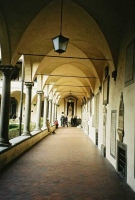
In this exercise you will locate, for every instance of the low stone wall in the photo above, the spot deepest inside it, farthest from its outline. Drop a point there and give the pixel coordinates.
(19, 145)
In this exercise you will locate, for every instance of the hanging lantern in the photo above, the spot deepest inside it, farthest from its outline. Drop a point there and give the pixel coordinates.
(60, 43)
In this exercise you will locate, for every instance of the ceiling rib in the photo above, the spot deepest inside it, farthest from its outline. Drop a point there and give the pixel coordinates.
(70, 93)
(69, 76)
(69, 85)
(52, 56)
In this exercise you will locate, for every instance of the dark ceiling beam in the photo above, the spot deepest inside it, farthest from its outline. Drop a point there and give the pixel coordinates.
(68, 76)
(71, 92)
(62, 96)
(70, 85)
(80, 58)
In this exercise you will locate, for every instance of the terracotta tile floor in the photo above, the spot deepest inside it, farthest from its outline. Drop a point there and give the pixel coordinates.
(66, 166)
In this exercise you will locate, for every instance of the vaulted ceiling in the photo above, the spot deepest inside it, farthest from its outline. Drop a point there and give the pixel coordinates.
(94, 30)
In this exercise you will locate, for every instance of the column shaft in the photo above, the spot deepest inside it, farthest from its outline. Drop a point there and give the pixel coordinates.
(52, 117)
(5, 105)
(50, 110)
(38, 119)
(45, 112)
(26, 131)
(56, 107)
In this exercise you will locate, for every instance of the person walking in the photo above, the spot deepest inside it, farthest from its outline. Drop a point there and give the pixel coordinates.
(62, 119)
(66, 121)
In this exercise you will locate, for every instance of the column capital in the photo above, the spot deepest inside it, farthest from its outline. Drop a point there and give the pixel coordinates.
(39, 92)
(29, 84)
(6, 67)
(7, 70)
(47, 97)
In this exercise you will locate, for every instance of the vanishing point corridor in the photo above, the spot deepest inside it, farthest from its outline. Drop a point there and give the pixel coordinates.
(63, 166)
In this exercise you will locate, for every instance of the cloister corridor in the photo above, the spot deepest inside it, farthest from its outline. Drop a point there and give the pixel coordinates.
(63, 166)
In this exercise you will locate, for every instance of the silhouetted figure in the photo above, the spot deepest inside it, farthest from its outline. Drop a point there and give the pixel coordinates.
(62, 119)
(72, 121)
(66, 121)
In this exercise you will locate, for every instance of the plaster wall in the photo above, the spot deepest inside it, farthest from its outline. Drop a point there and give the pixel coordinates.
(100, 130)
(129, 104)
(33, 113)
(129, 131)
(59, 112)
(92, 130)
(114, 101)
(115, 89)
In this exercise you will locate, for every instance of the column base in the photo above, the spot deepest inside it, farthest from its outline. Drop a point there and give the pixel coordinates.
(37, 129)
(5, 144)
(43, 128)
(26, 134)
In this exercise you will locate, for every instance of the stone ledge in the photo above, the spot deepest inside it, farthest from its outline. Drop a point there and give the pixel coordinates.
(19, 146)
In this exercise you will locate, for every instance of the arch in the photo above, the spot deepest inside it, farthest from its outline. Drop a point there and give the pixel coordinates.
(4, 40)
(86, 40)
(13, 108)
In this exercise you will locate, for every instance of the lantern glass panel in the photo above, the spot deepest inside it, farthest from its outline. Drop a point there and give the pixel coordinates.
(60, 43)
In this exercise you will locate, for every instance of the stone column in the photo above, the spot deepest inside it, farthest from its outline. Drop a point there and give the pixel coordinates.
(55, 108)
(39, 104)
(45, 112)
(26, 131)
(53, 111)
(65, 107)
(50, 110)
(5, 105)
(76, 108)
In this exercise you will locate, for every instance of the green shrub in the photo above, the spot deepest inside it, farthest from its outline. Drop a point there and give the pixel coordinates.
(12, 126)
(13, 131)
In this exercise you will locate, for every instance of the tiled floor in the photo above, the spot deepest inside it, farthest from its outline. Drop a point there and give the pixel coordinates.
(66, 166)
